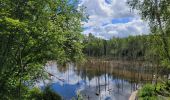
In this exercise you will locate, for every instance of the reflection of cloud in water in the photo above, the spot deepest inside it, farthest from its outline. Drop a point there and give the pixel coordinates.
(69, 76)
(108, 91)
(110, 88)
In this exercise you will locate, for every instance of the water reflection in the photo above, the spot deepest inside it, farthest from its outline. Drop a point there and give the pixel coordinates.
(97, 80)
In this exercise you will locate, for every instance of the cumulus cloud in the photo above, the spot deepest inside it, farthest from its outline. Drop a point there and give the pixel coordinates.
(108, 18)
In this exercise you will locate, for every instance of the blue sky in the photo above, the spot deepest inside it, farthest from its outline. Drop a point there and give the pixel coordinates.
(108, 18)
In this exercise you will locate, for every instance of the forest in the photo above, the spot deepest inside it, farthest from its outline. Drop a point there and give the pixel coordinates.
(33, 32)
(130, 48)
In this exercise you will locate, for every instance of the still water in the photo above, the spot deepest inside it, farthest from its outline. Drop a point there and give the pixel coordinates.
(97, 80)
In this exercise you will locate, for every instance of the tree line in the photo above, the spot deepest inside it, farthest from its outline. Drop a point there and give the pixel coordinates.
(141, 47)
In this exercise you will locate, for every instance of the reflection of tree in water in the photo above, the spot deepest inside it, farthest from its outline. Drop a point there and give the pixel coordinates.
(112, 76)
(62, 68)
(122, 70)
(89, 70)
(136, 73)
(118, 71)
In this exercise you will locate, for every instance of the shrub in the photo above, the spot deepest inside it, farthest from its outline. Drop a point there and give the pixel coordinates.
(147, 92)
(46, 94)
(35, 94)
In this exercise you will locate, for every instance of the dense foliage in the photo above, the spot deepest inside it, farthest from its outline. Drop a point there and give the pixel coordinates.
(31, 33)
(130, 48)
(147, 93)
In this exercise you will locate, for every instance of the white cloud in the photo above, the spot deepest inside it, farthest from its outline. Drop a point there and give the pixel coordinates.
(102, 13)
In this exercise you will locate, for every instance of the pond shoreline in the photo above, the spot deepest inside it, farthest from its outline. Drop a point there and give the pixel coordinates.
(133, 95)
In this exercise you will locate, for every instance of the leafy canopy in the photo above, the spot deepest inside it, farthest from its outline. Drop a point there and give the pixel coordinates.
(31, 33)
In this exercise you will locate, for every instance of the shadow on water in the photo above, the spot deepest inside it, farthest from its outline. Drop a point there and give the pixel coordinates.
(98, 79)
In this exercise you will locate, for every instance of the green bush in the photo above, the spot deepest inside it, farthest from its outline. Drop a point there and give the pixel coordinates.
(147, 92)
(46, 94)
(35, 94)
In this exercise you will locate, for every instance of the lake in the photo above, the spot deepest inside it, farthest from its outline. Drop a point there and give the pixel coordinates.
(98, 79)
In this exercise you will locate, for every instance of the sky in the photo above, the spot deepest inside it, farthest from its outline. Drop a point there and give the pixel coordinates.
(108, 18)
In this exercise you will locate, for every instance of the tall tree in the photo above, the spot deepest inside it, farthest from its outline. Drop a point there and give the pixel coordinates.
(31, 33)
(157, 12)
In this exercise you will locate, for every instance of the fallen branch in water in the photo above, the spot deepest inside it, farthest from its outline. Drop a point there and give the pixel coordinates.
(55, 76)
